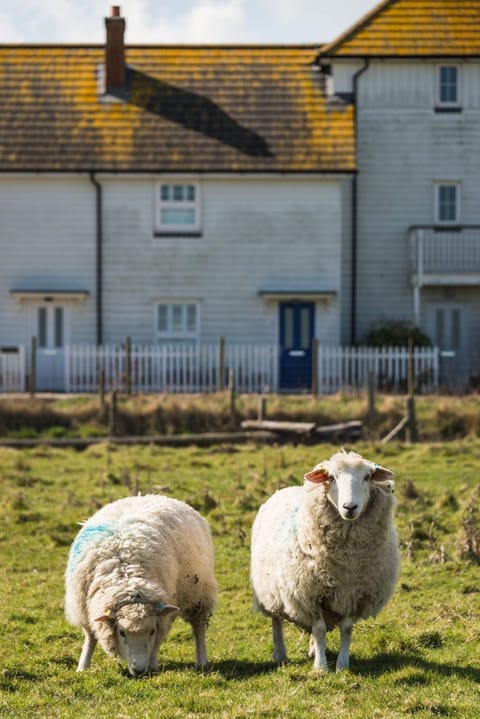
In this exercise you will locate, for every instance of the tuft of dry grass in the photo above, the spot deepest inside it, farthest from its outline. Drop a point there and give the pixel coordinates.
(439, 417)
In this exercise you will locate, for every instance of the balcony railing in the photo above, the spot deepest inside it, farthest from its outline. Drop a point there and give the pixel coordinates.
(440, 253)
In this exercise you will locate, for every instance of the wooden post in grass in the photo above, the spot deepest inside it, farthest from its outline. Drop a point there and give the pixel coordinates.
(262, 408)
(371, 398)
(112, 414)
(128, 365)
(231, 391)
(412, 421)
(33, 367)
(221, 364)
(101, 388)
(315, 367)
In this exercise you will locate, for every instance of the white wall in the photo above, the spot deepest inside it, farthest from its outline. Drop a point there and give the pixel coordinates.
(258, 234)
(47, 242)
(404, 147)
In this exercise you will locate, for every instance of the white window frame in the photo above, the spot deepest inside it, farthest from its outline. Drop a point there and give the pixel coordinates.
(177, 335)
(438, 219)
(447, 103)
(195, 205)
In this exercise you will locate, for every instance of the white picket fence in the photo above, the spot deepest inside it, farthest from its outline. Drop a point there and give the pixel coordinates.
(172, 368)
(255, 368)
(188, 368)
(343, 369)
(12, 370)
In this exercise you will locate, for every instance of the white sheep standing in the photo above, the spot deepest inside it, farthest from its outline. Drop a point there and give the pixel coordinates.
(133, 566)
(326, 553)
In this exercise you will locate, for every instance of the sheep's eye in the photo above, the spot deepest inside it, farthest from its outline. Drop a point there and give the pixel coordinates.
(331, 479)
(152, 632)
(122, 633)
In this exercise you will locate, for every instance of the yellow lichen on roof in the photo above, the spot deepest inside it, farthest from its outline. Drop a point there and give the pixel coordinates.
(413, 28)
(202, 109)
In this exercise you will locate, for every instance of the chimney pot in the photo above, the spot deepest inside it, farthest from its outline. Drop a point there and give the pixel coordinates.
(115, 11)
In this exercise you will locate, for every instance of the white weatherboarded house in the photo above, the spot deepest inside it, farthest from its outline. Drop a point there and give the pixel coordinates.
(412, 68)
(172, 194)
(268, 195)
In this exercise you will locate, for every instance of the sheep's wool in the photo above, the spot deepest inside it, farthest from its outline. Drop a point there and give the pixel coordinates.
(308, 563)
(148, 549)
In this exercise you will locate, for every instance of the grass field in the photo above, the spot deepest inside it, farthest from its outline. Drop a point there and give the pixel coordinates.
(420, 657)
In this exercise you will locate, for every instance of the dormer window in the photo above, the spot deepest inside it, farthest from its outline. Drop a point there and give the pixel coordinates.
(448, 87)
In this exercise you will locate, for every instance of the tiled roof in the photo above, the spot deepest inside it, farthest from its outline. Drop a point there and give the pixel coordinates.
(188, 109)
(435, 28)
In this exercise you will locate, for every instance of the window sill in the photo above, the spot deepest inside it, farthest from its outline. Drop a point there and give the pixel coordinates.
(179, 233)
(454, 227)
(445, 109)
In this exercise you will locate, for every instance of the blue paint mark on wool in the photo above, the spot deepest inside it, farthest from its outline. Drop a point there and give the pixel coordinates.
(288, 529)
(90, 534)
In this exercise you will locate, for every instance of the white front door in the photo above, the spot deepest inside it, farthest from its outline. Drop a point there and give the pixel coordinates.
(50, 329)
(447, 328)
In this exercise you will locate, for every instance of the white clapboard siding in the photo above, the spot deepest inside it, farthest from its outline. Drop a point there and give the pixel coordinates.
(12, 370)
(348, 368)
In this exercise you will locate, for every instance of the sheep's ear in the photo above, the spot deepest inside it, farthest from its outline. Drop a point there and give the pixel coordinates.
(380, 474)
(107, 617)
(161, 608)
(317, 475)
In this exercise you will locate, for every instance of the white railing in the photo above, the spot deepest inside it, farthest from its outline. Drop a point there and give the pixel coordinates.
(12, 369)
(343, 369)
(172, 368)
(434, 251)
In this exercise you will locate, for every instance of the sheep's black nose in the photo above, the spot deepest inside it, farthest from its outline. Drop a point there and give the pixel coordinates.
(350, 507)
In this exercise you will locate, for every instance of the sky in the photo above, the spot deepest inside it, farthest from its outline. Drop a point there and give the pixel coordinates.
(180, 21)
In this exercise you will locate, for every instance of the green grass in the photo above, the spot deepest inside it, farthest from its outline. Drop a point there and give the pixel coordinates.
(419, 658)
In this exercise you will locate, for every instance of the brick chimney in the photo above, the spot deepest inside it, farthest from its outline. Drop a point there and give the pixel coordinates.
(115, 71)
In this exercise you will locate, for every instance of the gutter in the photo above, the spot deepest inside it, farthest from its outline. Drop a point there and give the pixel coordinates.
(353, 293)
(98, 258)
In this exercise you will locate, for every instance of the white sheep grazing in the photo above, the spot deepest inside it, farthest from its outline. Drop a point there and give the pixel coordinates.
(327, 553)
(133, 565)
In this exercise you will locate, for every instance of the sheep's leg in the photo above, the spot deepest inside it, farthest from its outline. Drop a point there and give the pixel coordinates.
(87, 650)
(343, 659)
(199, 634)
(279, 648)
(319, 635)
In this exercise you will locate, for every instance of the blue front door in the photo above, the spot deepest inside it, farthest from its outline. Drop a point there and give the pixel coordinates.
(296, 337)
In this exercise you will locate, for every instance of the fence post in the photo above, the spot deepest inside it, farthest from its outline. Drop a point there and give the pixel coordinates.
(412, 421)
(112, 415)
(128, 365)
(315, 367)
(33, 367)
(221, 364)
(101, 387)
(231, 389)
(371, 398)
(262, 408)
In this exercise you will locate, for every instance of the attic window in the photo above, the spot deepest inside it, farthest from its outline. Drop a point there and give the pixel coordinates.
(177, 207)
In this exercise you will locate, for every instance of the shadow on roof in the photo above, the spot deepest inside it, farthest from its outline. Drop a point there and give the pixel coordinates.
(195, 112)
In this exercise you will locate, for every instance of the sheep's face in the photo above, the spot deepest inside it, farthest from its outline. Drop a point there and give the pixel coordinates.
(350, 478)
(137, 632)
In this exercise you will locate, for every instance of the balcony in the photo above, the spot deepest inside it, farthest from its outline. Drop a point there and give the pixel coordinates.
(444, 256)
